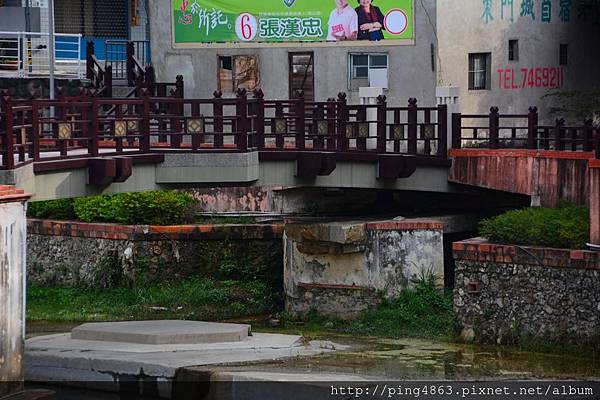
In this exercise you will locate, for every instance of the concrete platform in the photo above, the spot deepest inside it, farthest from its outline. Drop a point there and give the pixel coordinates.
(111, 366)
(161, 332)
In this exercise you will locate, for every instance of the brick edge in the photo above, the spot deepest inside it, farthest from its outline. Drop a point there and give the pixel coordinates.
(479, 249)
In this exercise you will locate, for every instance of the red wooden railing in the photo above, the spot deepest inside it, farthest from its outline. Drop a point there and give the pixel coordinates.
(88, 126)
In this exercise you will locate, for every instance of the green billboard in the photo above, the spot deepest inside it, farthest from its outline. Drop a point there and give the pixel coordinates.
(285, 21)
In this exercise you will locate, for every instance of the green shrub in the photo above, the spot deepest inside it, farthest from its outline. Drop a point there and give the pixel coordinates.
(153, 208)
(52, 209)
(563, 227)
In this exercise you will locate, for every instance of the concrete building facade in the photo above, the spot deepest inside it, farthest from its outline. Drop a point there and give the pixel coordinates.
(410, 67)
(510, 53)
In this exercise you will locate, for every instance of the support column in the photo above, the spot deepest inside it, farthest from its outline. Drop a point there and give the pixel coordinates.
(13, 235)
(594, 167)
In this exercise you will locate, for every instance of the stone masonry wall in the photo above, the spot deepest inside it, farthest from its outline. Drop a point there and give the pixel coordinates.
(73, 253)
(503, 293)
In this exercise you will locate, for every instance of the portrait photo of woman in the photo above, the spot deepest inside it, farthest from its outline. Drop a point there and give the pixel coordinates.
(370, 21)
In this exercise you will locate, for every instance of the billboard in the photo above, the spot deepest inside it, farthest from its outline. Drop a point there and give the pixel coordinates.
(292, 21)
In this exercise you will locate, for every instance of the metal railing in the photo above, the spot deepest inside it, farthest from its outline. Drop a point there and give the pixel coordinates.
(26, 54)
(118, 53)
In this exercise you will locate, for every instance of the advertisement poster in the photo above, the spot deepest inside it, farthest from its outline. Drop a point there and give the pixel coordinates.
(288, 21)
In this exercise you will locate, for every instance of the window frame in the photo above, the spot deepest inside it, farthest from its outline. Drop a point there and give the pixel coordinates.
(369, 66)
(563, 54)
(233, 71)
(487, 71)
(513, 50)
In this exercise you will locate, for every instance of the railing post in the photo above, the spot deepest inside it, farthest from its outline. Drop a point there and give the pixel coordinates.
(442, 120)
(35, 130)
(150, 80)
(129, 64)
(342, 120)
(260, 119)
(93, 149)
(145, 139)
(412, 125)
(381, 123)
(597, 143)
(300, 111)
(242, 117)
(218, 119)
(532, 128)
(89, 61)
(494, 127)
(10, 138)
(558, 135)
(588, 135)
(179, 87)
(108, 82)
(456, 130)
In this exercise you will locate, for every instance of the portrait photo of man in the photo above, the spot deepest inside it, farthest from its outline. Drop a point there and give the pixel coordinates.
(343, 22)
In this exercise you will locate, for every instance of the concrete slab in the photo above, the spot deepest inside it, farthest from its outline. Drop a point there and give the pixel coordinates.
(161, 332)
(110, 365)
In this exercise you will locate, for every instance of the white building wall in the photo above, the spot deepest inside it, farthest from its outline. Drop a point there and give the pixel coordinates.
(465, 27)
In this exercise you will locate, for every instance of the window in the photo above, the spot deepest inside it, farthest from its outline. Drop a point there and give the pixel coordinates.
(513, 50)
(237, 72)
(564, 54)
(98, 18)
(479, 71)
(368, 70)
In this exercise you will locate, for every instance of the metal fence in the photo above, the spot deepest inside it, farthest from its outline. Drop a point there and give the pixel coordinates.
(27, 54)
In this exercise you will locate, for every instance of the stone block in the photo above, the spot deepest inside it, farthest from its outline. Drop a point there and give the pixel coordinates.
(162, 332)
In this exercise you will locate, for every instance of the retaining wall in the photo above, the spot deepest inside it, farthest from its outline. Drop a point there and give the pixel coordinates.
(73, 253)
(505, 292)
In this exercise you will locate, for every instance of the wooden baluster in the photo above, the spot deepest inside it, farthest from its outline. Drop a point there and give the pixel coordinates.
(381, 123)
(412, 126)
(342, 120)
(218, 119)
(494, 126)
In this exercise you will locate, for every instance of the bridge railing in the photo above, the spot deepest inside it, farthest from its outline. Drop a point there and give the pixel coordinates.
(89, 126)
(521, 131)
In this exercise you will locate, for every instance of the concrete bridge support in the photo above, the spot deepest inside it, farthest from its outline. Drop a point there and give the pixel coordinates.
(13, 233)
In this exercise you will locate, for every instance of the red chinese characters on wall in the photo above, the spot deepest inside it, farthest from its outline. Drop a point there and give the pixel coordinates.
(535, 77)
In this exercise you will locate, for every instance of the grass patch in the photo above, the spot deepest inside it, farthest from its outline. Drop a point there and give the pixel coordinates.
(423, 312)
(196, 299)
(565, 227)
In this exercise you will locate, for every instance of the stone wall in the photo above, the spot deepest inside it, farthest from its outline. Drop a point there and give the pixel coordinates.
(100, 255)
(340, 269)
(504, 293)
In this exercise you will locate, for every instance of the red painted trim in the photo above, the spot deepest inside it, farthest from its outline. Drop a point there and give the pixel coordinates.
(331, 286)
(153, 232)
(594, 163)
(521, 153)
(405, 225)
(479, 249)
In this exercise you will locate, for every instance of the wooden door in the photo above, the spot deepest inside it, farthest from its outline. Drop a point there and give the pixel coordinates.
(302, 74)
